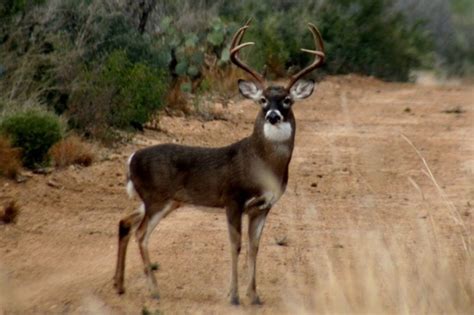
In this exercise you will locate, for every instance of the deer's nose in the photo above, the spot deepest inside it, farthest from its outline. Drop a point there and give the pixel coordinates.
(273, 117)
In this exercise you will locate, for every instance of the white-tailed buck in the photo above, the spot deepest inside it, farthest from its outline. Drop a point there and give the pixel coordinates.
(246, 177)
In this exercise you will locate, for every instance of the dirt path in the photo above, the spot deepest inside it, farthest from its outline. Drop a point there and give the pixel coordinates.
(364, 225)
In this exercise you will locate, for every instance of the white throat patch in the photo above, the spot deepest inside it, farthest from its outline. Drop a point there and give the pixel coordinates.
(279, 132)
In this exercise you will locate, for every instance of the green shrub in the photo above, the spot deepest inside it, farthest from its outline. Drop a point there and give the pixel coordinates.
(99, 28)
(272, 49)
(139, 90)
(119, 94)
(459, 56)
(34, 132)
(11, 7)
(92, 61)
(363, 36)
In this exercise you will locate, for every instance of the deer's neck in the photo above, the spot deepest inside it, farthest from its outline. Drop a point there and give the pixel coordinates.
(274, 142)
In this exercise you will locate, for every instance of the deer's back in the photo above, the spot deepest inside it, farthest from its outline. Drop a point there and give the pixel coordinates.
(195, 175)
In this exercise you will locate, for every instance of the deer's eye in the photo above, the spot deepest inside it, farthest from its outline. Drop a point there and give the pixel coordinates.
(263, 101)
(287, 102)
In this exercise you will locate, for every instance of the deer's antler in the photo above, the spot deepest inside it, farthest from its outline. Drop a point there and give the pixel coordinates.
(318, 41)
(236, 46)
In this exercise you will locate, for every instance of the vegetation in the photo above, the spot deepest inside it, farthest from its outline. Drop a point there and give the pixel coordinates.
(10, 158)
(386, 47)
(10, 213)
(109, 65)
(450, 26)
(120, 94)
(72, 151)
(34, 132)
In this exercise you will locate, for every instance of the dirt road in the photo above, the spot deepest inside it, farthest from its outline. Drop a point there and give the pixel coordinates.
(365, 227)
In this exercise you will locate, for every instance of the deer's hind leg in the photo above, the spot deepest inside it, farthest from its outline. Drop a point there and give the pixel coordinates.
(126, 226)
(153, 215)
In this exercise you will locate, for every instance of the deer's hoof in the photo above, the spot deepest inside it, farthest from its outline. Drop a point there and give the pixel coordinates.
(256, 300)
(234, 300)
(155, 295)
(119, 288)
(120, 291)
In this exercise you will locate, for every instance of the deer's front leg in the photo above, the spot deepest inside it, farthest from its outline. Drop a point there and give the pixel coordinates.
(256, 224)
(263, 202)
(234, 223)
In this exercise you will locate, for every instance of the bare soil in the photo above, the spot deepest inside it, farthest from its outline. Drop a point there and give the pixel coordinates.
(353, 176)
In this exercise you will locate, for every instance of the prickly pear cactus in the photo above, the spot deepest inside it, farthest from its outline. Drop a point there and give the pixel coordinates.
(186, 52)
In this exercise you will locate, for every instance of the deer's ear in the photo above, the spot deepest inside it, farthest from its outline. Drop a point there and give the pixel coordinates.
(302, 89)
(250, 90)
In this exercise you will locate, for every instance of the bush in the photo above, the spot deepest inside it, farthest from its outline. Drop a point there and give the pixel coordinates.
(34, 132)
(98, 28)
(119, 94)
(11, 7)
(274, 48)
(72, 150)
(46, 52)
(10, 158)
(364, 37)
(109, 63)
(10, 213)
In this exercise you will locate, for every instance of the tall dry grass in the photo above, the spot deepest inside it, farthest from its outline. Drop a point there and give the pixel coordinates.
(72, 150)
(10, 213)
(10, 158)
(382, 272)
(379, 274)
(222, 82)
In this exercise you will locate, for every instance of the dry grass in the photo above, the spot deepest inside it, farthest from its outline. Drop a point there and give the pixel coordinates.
(176, 100)
(453, 212)
(10, 158)
(217, 86)
(384, 272)
(10, 213)
(211, 95)
(223, 82)
(209, 99)
(72, 150)
(382, 275)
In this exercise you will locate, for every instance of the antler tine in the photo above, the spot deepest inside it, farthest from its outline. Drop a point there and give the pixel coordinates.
(237, 36)
(316, 35)
(318, 41)
(240, 33)
(236, 46)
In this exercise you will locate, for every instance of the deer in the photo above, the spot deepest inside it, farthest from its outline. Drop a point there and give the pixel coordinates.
(245, 178)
